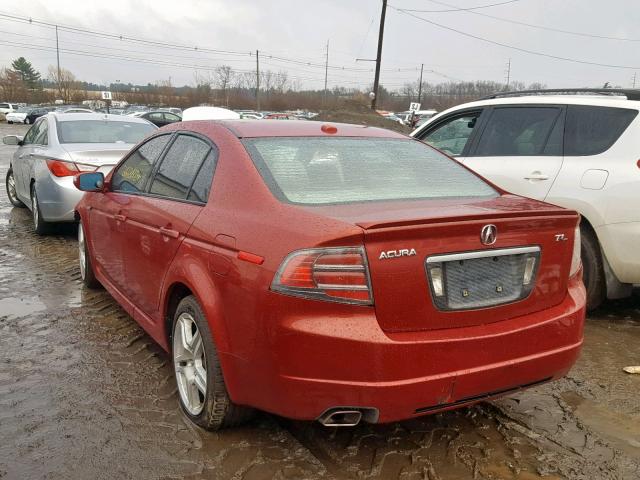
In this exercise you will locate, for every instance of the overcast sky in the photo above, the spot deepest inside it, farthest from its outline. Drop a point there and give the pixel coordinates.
(298, 30)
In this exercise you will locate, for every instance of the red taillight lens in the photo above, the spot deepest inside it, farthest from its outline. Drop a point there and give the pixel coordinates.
(336, 274)
(61, 168)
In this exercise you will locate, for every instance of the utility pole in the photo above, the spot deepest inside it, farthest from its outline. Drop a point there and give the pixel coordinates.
(508, 73)
(326, 72)
(420, 84)
(376, 80)
(58, 56)
(257, 80)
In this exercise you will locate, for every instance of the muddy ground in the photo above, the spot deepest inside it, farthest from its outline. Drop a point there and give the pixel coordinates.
(85, 394)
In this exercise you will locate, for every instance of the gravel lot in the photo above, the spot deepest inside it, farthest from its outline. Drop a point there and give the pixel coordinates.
(84, 393)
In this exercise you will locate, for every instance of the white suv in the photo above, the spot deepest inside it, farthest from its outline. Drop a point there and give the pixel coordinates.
(579, 149)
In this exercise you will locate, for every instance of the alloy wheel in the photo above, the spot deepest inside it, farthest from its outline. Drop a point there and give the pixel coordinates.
(34, 209)
(82, 252)
(190, 363)
(11, 189)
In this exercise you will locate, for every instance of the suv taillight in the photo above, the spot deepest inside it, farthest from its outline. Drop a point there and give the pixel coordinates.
(334, 274)
(61, 168)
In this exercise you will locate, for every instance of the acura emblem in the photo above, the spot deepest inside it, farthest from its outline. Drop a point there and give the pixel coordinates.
(488, 234)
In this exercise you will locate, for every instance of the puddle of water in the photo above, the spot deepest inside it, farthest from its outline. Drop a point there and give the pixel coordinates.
(19, 307)
(623, 431)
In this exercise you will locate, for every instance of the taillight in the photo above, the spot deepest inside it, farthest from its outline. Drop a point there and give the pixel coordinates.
(333, 274)
(61, 168)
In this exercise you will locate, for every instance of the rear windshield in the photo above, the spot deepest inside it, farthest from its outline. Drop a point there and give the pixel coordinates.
(320, 171)
(102, 131)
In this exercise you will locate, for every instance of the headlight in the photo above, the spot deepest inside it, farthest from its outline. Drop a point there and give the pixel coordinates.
(575, 257)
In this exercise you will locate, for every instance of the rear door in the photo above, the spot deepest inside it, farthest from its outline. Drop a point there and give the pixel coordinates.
(520, 148)
(158, 221)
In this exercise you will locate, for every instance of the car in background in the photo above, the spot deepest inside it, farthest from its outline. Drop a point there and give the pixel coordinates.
(7, 108)
(330, 272)
(35, 113)
(280, 116)
(19, 115)
(160, 118)
(76, 110)
(571, 147)
(56, 148)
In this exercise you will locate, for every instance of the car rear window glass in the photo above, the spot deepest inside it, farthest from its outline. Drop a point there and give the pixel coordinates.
(593, 130)
(180, 167)
(102, 131)
(202, 185)
(317, 171)
(517, 131)
(133, 173)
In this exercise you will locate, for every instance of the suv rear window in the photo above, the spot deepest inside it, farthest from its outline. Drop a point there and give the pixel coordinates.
(320, 171)
(593, 130)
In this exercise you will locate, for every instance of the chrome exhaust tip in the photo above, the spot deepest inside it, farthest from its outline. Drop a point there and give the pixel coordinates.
(347, 416)
(340, 418)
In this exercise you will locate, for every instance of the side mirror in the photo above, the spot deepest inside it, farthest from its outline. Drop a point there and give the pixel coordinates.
(12, 140)
(89, 182)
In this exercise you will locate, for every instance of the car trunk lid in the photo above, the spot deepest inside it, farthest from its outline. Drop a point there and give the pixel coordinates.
(481, 281)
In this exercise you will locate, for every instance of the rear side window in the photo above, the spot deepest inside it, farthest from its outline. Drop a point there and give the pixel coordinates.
(202, 185)
(132, 175)
(318, 171)
(452, 135)
(179, 167)
(593, 130)
(518, 131)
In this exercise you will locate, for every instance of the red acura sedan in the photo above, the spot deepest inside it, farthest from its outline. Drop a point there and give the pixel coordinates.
(332, 272)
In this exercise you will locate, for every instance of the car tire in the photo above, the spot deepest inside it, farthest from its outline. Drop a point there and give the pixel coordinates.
(593, 269)
(10, 184)
(10, 123)
(202, 391)
(40, 226)
(86, 268)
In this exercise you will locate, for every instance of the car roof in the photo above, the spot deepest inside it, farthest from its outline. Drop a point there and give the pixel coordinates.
(299, 128)
(64, 117)
(594, 100)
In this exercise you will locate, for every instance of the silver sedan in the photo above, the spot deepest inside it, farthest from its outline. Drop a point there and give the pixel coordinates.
(56, 148)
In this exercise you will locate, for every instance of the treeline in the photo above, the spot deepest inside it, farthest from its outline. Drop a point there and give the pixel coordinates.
(224, 86)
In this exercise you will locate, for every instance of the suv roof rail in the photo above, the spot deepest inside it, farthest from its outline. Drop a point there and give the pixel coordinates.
(631, 94)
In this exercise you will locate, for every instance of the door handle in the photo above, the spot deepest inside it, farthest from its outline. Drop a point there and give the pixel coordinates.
(120, 218)
(168, 232)
(536, 176)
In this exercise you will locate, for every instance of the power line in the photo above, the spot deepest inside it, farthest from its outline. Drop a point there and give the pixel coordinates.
(460, 9)
(513, 47)
(155, 43)
(540, 27)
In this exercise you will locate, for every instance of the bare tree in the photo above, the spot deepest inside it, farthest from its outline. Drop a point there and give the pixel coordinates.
(223, 78)
(11, 85)
(65, 82)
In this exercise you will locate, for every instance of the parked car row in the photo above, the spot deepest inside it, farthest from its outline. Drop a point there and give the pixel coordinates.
(266, 256)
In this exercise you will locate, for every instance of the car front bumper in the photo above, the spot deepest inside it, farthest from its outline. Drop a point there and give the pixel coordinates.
(322, 363)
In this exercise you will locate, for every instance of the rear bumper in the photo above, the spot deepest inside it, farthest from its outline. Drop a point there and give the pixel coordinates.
(321, 363)
(57, 197)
